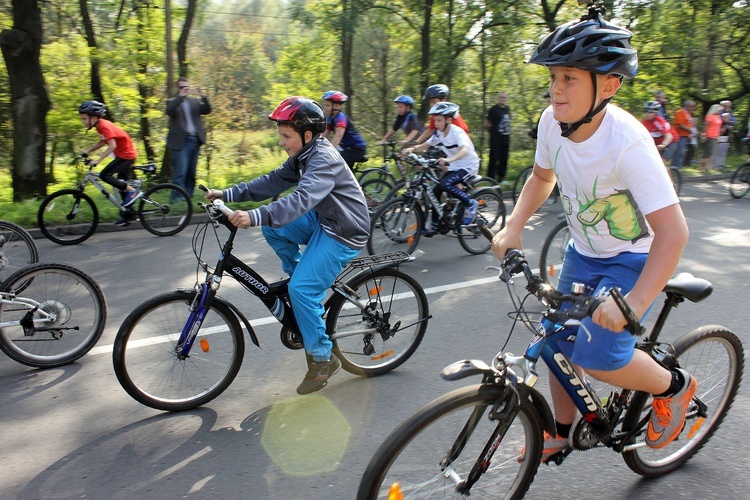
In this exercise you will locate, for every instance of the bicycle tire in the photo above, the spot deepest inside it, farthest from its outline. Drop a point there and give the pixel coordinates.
(396, 191)
(739, 184)
(520, 181)
(17, 249)
(552, 255)
(165, 209)
(375, 191)
(676, 177)
(395, 300)
(397, 225)
(68, 217)
(146, 362)
(379, 173)
(413, 453)
(492, 210)
(696, 352)
(77, 309)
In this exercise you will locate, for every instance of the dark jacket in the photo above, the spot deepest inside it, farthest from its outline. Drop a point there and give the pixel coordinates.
(176, 113)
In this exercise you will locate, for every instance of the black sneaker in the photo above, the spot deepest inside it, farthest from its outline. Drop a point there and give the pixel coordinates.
(317, 375)
(122, 221)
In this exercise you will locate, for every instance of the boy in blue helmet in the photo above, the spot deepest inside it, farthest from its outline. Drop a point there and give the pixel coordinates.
(406, 120)
(627, 227)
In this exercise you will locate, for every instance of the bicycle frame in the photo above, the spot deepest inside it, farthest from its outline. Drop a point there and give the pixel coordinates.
(92, 177)
(28, 322)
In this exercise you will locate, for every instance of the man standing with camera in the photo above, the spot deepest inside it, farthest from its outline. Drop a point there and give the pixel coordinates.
(186, 132)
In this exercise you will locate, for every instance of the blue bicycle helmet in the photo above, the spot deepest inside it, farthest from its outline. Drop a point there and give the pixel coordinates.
(405, 99)
(438, 91)
(93, 108)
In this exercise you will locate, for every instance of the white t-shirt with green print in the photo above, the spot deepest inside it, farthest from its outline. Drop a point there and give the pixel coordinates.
(608, 183)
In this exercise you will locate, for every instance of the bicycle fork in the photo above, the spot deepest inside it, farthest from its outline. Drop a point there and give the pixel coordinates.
(198, 310)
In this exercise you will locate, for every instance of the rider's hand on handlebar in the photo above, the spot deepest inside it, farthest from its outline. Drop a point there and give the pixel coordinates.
(240, 218)
(609, 316)
(214, 194)
(504, 240)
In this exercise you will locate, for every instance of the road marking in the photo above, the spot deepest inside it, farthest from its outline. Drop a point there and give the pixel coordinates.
(732, 233)
(107, 349)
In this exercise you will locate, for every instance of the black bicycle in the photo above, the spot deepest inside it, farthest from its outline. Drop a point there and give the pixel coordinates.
(552, 255)
(182, 349)
(739, 184)
(70, 216)
(399, 222)
(487, 439)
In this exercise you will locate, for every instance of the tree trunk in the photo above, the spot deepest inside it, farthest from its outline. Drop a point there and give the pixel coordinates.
(21, 46)
(96, 81)
(347, 48)
(182, 42)
(425, 57)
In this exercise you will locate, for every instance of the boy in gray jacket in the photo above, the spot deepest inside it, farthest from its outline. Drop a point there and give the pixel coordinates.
(326, 212)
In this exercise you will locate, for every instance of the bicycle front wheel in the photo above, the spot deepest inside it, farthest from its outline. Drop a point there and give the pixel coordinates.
(492, 210)
(432, 452)
(68, 315)
(552, 256)
(380, 173)
(739, 185)
(715, 357)
(147, 358)
(68, 217)
(397, 225)
(165, 209)
(375, 191)
(17, 249)
(375, 340)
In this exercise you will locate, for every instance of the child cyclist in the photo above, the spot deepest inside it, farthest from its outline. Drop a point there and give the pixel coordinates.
(346, 138)
(461, 160)
(118, 142)
(627, 227)
(326, 212)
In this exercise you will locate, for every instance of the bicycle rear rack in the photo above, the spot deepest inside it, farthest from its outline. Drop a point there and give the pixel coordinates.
(375, 260)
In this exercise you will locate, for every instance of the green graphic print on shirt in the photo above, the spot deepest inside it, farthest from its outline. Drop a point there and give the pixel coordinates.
(619, 211)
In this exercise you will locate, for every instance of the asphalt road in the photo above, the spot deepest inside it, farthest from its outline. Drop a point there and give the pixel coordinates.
(73, 432)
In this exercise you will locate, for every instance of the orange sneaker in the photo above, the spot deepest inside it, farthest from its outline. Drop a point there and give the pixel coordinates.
(552, 445)
(668, 414)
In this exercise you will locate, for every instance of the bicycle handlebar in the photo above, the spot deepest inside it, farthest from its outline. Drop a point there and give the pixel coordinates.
(582, 305)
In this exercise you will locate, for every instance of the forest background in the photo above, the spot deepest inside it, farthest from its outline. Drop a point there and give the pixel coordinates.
(250, 54)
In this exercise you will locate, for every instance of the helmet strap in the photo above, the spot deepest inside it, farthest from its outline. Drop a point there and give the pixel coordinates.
(569, 129)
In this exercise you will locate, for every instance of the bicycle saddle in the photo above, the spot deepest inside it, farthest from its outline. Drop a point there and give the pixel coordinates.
(688, 286)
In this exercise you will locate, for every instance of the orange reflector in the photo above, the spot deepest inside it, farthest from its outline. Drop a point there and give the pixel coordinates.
(395, 492)
(381, 356)
(696, 426)
(551, 270)
(375, 290)
(204, 345)
(482, 203)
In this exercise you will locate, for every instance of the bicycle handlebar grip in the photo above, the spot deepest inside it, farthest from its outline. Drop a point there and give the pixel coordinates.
(633, 326)
(203, 188)
(219, 204)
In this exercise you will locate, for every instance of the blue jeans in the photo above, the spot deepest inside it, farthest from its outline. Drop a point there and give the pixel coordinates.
(184, 164)
(312, 274)
(679, 155)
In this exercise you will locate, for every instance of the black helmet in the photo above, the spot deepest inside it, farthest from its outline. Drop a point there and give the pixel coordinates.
(438, 91)
(93, 108)
(591, 44)
(300, 112)
(447, 109)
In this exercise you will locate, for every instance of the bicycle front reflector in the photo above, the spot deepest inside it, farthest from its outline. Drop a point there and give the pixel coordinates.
(381, 356)
(204, 345)
(395, 492)
(375, 290)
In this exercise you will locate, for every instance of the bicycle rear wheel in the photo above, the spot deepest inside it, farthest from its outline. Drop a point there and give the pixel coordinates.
(739, 185)
(17, 249)
(147, 362)
(433, 451)
(492, 210)
(715, 357)
(397, 225)
(68, 217)
(69, 320)
(552, 256)
(379, 173)
(676, 176)
(165, 209)
(386, 333)
(520, 181)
